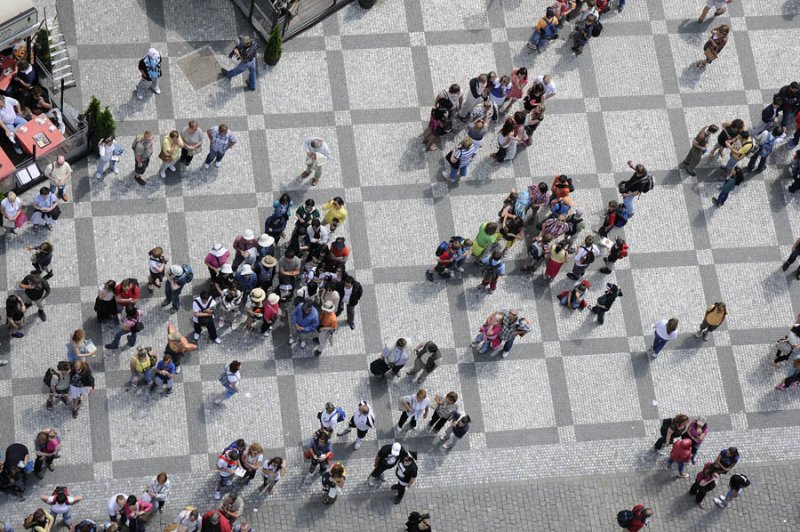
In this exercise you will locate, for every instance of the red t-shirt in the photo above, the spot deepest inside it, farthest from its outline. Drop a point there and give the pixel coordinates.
(131, 293)
(638, 522)
(340, 253)
(224, 524)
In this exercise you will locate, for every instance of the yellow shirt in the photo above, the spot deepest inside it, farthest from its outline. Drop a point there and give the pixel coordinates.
(332, 212)
(171, 149)
(139, 365)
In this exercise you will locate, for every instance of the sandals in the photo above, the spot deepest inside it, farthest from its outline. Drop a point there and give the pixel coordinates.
(314, 182)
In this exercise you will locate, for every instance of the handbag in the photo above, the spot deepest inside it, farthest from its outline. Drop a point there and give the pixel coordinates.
(55, 214)
(449, 159)
(20, 220)
(137, 327)
(404, 407)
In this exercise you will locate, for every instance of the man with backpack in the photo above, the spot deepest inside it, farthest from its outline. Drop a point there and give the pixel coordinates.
(446, 254)
(57, 381)
(61, 503)
(766, 141)
(640, 183)
(545, 31)
(493, 268)
(203, 316)
(177, 277)
(150, 69)
(584, 257)
(635, 519)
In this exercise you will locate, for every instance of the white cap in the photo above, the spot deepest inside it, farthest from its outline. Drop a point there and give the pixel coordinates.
(265, 240)
(226, 268)
(396, 449)
(218, 250)
(176, 270)
(273, 299)
(248, 234)
(152, 52)
(247, 270)
(328, 306)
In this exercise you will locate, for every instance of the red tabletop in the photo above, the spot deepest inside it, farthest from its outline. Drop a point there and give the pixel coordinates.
(6, 166)
(6, 62)
(39, 125)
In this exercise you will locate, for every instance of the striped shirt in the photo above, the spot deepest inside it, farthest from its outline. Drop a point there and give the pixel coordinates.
(248, 53)
(465, 156)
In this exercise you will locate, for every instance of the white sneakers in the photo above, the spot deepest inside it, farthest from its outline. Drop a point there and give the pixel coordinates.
(196, 336)
(206, 166)
(217, 163)
(162, 174)
(218, 340)
(357, 444)
(172, 167)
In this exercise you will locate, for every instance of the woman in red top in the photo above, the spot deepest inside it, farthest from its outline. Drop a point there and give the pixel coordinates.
(640, 521)
(681, 453)
(519, 79)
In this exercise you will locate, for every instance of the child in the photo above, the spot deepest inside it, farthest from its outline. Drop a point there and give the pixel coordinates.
(736, 487)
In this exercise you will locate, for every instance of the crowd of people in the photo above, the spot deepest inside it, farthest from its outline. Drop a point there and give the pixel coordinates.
(302, 283)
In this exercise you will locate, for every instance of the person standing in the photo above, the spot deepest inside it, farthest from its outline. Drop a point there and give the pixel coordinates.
(362, 420)
(142, 365)
(227, 463)
(639, 183)
(792, 257)
(160, 487)
(519, 79)
(192, 137)
(494, 267)
(59, 173)
(727, 459)
(317, 154)
(583, 258)
(230, 379)
(177, 278)
(59, 384)
(704, 482)
(477, 93)
(15, 315)
(220, 141)
(61, 504)
(81, 384)
(216, 259)
(681, 453)
(617, 251)
(150, 69)
(47, 448)
(203, 316)
(513, 326)
(171, 146)
(671, 429)
(320, 451)
(715, 315)
(445, 408)
(664, 331)
(770, 116)
(558, 256)
(36, 290)
(605, 301)
(697, 432)
(736, 487)
(142, 151)
(350, 292)
(333, 482)
(272, 472)
(231, 506)
(766, 141)
(714, 45)
(41, 259)
(414, 407)
(635, 519)
(327, 326)
(406, 473)
(427, 358)
(156, 264)
(245, 52)
(698, 149)
(304, 323)
(245, 249)
(459, 426)
(459, 160)
(388, 456)
(543, 32)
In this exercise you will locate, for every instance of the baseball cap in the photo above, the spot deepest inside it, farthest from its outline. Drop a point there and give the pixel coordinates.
(396, 449)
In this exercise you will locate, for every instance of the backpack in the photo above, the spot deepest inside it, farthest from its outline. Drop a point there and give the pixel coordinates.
(48, 376)
(765, 149)
(442, 247)
(550, 31)
(647, 184)
(754, 147)
(61, 491)
(523, 203)
(536, 250)
(340, 415)
(187, 276)
(559, 208)
(622, 216)
(597, 29)
(625, 518)
(136, 141)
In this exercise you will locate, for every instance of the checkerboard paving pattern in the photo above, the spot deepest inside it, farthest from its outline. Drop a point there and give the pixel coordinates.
(364, 81)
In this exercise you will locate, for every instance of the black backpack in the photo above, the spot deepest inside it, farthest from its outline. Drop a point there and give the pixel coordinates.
(48, 376)
(597, 29)
(625, 518)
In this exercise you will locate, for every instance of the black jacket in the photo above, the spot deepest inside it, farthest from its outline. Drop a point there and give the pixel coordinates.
(386, 450)
(769, 113)
(355, 296)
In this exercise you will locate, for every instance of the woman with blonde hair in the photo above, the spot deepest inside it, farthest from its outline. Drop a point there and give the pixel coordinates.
(714, 45)
(171, 146)
(79, 346)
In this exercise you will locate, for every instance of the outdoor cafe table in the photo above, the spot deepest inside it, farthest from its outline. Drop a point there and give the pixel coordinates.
(39, 125)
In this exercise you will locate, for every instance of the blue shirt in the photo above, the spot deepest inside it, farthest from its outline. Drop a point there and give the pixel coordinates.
(161, 366)
(220, 143)
(308, 322)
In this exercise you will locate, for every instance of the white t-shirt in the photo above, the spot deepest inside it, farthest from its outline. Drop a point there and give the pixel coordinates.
(185, 520)
(233, 378)
(225, 469)
(11, 209)
(550, 89)
(417, 407)
(329, 421)
(7, 113)
(251, 460)
(155, 265)
(661, 330)
(346, 296)
(113, 507)
(198, 306)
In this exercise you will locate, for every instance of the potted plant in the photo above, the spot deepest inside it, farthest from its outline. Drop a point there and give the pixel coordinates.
(42, 48)
(366, 4)
(105, 127)
(274, 46)
(92, 112)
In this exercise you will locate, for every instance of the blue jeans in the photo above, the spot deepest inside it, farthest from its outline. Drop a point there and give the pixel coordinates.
(628, 201)
(146, 376)
(681, 465)
(621, 4)
(241, 67)
(229, 392)
(455, 172)
(761, 164)
(214, 156)
(118, 336)
(101, 166)
(722, 197)
(509, 344)
(18, 121)
(58, 191)
(66, 516)
(173, 295)
(658, 343)
(161, 381)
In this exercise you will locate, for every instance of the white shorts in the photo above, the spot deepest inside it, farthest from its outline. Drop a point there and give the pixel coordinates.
(717, 4)
(76, 392)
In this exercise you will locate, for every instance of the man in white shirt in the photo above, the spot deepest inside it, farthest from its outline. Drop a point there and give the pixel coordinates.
(585, 255)
(61, 504)
(58, 172)
(10, 119)
(317, 153)
(549, 85)
(115, 506)
(227, 464)
(203, 316)
(397, 355)
(362, 421)
(329, 417)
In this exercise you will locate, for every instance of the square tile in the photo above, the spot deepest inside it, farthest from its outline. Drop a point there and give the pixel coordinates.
(566, 434)
(551, 349)
(109, 248)
(370, 90)
(738, 24)
(636, 344)
(344, 389)
(342, 118)
(636, 70)
(673, 101)
(592, 105)
(665, 293)
(221, 98)
(414, 310)
(754, 97)
(199, 20)
(497, 382)
(390, 243)
(748, 310)
(658, 27)
(639, 136)
(406, 164)
(615, 400)
(664, 206)
(705, 257)
(688, 381)
(82, 209)
(103, 471)
(417, 38)
(333, 43)
(282, 97)
(255, 122)
(287, 159)
(352, 195)
(723, 75)
(499, 35)
(175, 204)
(200, 463)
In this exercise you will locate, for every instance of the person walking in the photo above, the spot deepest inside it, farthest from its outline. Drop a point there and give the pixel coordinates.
(716, 42)
(427, 358)
(192, 138)
(142, 152)
(171, 146)
(230, 379)
(317, 154)
(350, 292)
(406, 473)
(714, 316)
(698, 149)
(220, 141)
(59, 172)
(150, 69)
(245, 51)
(766, 141)
(81, 384)
(15, 315)
(388, 456)
(664, 331)
(203, 316)
(786, 345)
(681, 453)
(35, 291)
(458, 428)
(445, 408)
(362, 420)
(619, 250)
(605, 301)
(671, 429)
(704, 482)
(414, 407)
(793, 380)
(635, 519)
(727, 187)
(459, 159)
(719, 8)
(736, 486)
(79, 346)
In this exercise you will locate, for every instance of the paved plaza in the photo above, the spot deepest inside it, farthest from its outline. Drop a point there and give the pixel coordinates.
(562, 429)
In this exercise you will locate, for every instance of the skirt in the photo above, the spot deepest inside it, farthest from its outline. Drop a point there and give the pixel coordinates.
(553, 268)
(76, 392)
